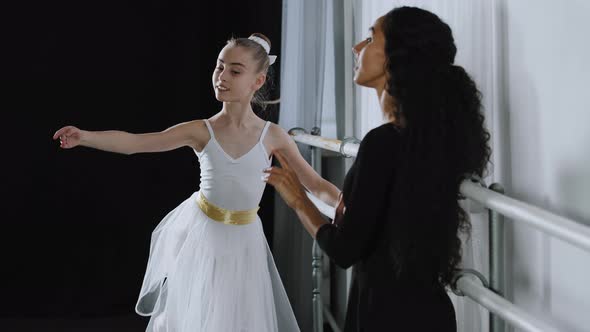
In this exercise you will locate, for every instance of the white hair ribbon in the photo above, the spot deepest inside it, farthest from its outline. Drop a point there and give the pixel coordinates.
(266, 46)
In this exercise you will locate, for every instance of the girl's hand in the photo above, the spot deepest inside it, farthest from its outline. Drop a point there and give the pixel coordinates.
(285, 182)
(69, 137)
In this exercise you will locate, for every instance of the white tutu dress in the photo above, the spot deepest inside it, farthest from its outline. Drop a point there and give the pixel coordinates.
(214, 276)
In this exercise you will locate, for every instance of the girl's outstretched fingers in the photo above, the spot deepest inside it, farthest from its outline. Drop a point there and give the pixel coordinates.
(61, 132)
(69, 137)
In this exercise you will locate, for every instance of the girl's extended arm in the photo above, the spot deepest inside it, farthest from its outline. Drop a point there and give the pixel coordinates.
(183, 134)
(318, 186)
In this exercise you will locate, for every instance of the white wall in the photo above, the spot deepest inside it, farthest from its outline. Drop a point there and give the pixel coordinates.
(544, 124)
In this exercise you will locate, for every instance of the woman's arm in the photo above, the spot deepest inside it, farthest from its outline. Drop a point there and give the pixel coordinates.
(183, 134)
(367, 200)
(287, 183)
(318, 186)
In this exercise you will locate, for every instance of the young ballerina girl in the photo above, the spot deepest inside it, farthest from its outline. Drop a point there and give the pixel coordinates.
(210, 267)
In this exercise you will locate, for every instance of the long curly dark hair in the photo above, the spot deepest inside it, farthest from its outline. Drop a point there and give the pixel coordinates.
(443, 140)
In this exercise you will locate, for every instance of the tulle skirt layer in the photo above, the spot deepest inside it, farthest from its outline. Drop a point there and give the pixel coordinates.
(203, 275)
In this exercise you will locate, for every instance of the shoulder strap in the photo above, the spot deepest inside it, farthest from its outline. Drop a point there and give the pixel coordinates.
(264, 131)
(209, 128)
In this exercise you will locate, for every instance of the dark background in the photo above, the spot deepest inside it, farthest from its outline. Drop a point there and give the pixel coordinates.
(77, 223)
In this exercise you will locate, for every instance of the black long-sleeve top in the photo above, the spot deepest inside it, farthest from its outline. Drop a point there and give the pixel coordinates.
(378, 300)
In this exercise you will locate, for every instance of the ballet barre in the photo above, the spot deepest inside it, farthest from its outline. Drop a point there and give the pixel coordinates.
(498, 205)
(566, 229)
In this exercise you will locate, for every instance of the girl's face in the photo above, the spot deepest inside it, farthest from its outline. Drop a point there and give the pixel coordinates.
(369, 54)
(236, 78)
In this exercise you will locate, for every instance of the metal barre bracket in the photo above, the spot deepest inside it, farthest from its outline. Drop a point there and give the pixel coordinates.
(475, 179)
(293, 131)
(348, 140)
(478, 179)
(463, 272)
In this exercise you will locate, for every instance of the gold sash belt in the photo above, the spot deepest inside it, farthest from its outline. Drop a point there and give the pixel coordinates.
(226, 216)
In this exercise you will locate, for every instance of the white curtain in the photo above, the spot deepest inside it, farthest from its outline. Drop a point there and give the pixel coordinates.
(473, 23)
(306, 95)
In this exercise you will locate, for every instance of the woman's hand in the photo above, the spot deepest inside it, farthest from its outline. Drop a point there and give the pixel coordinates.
(285, 182)
(340, 210)
(69, 137)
